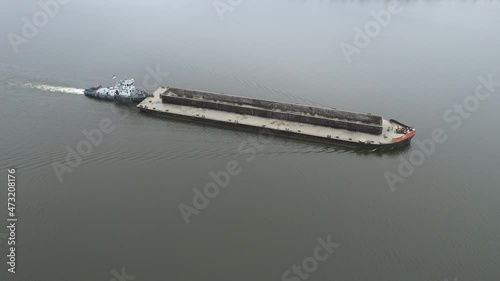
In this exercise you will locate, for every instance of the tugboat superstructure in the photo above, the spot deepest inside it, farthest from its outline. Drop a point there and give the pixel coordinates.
(123, 91)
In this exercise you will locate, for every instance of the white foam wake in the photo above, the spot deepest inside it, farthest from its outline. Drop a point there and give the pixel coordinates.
(50, 88)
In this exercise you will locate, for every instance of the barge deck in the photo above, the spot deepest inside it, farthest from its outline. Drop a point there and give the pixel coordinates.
(320, 124)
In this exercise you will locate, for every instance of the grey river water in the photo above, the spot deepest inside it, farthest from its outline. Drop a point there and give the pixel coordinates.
(115, 213)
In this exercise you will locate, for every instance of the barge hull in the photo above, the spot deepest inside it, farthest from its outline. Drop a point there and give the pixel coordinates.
(392, 133)
(287, 134)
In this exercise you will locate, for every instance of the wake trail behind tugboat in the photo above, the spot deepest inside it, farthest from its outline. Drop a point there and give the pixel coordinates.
(50, 88)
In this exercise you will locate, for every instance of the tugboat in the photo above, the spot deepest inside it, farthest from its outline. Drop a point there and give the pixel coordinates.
(123, 91)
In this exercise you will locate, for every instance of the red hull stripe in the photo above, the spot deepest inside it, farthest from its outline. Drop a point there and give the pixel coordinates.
(406, 136)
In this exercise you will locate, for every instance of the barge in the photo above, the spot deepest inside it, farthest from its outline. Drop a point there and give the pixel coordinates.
(316, 123)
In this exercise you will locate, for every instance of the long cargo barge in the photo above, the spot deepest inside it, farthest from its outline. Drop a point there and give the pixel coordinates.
(316, 123)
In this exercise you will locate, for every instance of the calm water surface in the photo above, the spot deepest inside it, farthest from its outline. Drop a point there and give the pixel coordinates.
(120, 207)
